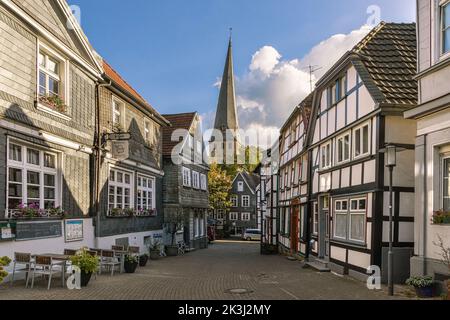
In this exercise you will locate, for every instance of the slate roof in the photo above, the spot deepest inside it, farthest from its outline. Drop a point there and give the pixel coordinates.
(252, 179)
(389, 62)
(119, 81)
(177, 121)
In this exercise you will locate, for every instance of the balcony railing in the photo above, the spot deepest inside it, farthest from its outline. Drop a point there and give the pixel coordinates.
(32, 213)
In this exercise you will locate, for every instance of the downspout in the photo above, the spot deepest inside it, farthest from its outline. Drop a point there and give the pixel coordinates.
(309, 207)
(425, 205)
(98, 160)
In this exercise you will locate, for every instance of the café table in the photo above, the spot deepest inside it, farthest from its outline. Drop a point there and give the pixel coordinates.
(62, 259)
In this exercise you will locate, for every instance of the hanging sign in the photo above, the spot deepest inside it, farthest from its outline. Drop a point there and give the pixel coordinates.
(121, 150)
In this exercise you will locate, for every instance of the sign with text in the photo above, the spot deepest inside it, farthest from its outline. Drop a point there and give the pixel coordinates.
(121, 136)
(38, 230)
(7, 231)
(73, 230)
(120, 150)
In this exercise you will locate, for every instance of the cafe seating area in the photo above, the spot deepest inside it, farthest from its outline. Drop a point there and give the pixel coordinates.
(48, 266)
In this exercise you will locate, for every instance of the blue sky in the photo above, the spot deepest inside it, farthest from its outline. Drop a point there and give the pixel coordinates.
(173, 51)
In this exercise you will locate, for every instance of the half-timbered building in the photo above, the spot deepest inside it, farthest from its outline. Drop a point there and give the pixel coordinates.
(293, 193)
(358, 111)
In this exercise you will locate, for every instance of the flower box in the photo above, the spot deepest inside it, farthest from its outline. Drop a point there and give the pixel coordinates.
(32, 212)
(131, 213)
(441, 217)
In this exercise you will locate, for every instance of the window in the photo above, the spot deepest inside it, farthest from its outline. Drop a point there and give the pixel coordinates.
(350, 219)
(195, 180)
(186, 177)
(32, 177)
(445, 27)
(220, 214)
(336, 92)
(147, 135)
(240, 186)
(233, 216)
(120, 189)
(203, 182)
(316, 218)
(343, 148)
(50, 75)
(245, 216)
(246, 201)
(234, 201)
(145, 193)
(196, 226)
(361, 141)
(118, 108)
(202, 226)
(446, 184)
(326, 156)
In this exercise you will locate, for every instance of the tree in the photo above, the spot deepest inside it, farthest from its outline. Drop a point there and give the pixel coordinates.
(219, 188)
(174, 221)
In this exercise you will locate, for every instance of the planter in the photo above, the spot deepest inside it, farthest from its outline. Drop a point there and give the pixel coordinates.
(85, 278)
(425, 292)
(130, 267)
(155, 255)
(172, 251)
(143, 260)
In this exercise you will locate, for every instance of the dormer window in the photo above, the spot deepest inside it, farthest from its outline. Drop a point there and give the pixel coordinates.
(336, 92)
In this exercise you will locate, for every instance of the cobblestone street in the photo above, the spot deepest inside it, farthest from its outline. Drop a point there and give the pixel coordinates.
(209, 274)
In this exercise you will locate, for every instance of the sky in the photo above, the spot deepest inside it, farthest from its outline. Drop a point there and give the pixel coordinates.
(173, 51)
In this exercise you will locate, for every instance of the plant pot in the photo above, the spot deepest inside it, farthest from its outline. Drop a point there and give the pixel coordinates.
(172, 251)
(155, 255)
(143, 260)
(130, 267)
(425, 292)
(85, 277)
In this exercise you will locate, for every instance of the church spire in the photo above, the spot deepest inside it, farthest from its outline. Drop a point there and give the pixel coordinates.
(226, 115)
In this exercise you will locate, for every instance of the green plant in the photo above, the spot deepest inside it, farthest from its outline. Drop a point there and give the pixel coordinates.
(131, 258)
(85, 261)
(420, 282)
(4, 262)
(54, 101)
(155, 246)
(441, 217)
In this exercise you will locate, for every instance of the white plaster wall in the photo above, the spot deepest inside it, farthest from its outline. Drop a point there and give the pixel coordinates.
(345, 182)
(335, 179)
(323, 126)
(338, 253)
(366, 103)
(356, 174)
(369, 171)
(400, 130)
(340, 115)
(406, 232)
(403, 175)
(134, 239)
(325, 182)
(351, 78)
(435, 85)
(369, 233)
(369, 206)
(315, 182)
(332, 120)
(359, 259)
(406, 204)
(351, 108)
(323, 101)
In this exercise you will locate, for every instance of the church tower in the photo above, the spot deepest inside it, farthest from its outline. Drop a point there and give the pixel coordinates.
(226, 114)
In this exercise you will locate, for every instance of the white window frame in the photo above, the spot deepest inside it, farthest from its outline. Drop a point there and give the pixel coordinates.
(316, 218)
(342, 138)
(361, 140)
(62, 77)
(234, 216)
(234, 201)
(240, 186)
(203, 182)
(342, 212)
(186, 174)
(328, 156)
(442, 4)
(358, 211)
(41, 169)
(141, 188)
(444, 157)
(244, 199)
(121, 112)
(122, 185)
(246, 216)
(195, 180)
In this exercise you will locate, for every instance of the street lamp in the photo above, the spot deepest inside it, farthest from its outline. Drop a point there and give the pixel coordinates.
(390, 152)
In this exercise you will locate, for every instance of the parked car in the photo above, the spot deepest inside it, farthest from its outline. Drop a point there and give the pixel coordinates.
(252, 235)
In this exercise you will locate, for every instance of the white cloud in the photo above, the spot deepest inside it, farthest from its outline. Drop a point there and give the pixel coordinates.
(272, 87)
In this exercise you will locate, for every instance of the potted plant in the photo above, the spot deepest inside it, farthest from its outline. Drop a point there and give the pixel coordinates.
(143, 259)
(422, 285)
(155, 251)
(174, 221)
(445, 257)
(131, 262)
(4, 262)
(87, 263)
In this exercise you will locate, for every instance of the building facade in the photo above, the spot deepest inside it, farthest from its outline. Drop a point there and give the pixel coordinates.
(130, 169)
(185, 186)
(357, 112)
(432, 202)
(48, 77)
(293, 193)
(243, 213)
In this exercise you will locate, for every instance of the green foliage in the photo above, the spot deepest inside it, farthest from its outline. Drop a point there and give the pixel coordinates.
(219, 188)
(85, 261)
(420, 282)
(131, 258)
(441, 217)
(155, 246)
(174, 220)
(4, 262)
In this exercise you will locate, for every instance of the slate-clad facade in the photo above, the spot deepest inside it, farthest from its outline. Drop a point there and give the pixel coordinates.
(48, 143)
(185, 183)
(359, 109)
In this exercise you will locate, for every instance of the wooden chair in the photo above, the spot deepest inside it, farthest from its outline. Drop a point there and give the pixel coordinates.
(109, 260)
(22, 262)
(70, 252)
(118, 248)
(44, 266)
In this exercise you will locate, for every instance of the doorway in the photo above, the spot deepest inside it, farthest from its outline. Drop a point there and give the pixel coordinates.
(294, 228)
(324, 227)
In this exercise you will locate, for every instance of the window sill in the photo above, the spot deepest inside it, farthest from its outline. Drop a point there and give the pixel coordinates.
(349, 243)
(44, 108)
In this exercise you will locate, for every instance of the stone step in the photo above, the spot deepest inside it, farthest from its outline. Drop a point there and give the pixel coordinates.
(319, 266)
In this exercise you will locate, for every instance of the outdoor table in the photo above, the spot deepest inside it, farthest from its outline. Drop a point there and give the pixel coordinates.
(63, 262)
(121, 254)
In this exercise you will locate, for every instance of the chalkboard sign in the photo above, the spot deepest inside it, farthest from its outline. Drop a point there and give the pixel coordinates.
(38, 230)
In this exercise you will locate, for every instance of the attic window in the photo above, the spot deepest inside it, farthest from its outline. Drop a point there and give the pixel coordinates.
(240, 186)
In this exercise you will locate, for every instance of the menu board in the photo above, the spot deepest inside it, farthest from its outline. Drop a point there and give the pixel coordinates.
(74, 230)
(7, 231)
(38, 230)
